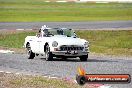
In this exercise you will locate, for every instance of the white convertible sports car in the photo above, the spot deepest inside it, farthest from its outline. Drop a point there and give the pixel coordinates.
(56, 42)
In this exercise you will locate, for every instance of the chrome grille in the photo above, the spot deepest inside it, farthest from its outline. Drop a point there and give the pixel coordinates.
(71, 47)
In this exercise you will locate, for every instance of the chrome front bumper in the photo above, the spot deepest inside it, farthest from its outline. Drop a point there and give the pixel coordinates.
(70, 53)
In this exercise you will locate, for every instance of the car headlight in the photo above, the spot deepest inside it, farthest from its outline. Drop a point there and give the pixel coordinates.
(86, 44)
(55, 44)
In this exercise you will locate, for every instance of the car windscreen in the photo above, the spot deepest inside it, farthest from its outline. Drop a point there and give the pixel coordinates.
(66, 32)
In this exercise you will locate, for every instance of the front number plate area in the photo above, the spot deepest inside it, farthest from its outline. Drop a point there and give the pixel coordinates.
(72, 52)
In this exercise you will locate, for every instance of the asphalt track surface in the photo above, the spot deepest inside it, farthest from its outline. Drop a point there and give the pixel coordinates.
(18, 63)
(93, 25)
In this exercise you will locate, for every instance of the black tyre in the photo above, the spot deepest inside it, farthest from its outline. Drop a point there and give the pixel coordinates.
(84, 58)
(48, 54)
(81, 80)
(31, 55)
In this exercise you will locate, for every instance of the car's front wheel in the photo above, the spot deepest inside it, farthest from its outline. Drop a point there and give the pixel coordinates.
(48, 54)
(31, 55)
(84, 58)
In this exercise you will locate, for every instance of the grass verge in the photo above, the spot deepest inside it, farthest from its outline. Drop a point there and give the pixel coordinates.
(27, 81)
(106, 42)
(109, 42)
(38, 10)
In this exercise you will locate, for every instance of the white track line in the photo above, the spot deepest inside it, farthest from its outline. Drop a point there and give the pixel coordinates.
(19, 29)
(1, 71)
(105, 86)
(6, 51)
(8, 72)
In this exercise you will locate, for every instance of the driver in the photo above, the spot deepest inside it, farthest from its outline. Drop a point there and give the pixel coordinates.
(60, 32)
(45, 32)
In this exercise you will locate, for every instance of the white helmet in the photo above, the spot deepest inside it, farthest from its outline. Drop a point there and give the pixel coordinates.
(44, 27)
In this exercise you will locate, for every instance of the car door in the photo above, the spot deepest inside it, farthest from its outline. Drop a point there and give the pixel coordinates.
(35, 44)
(41, 45)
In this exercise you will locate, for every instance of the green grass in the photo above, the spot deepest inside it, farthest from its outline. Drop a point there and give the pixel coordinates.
(40, 82)
(15, 40)
(24, 81)
(38, 10)
(107, 42)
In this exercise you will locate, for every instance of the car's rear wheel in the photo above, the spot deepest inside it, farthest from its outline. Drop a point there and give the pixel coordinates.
(31, 55)
(48, 54)
(84, 58)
